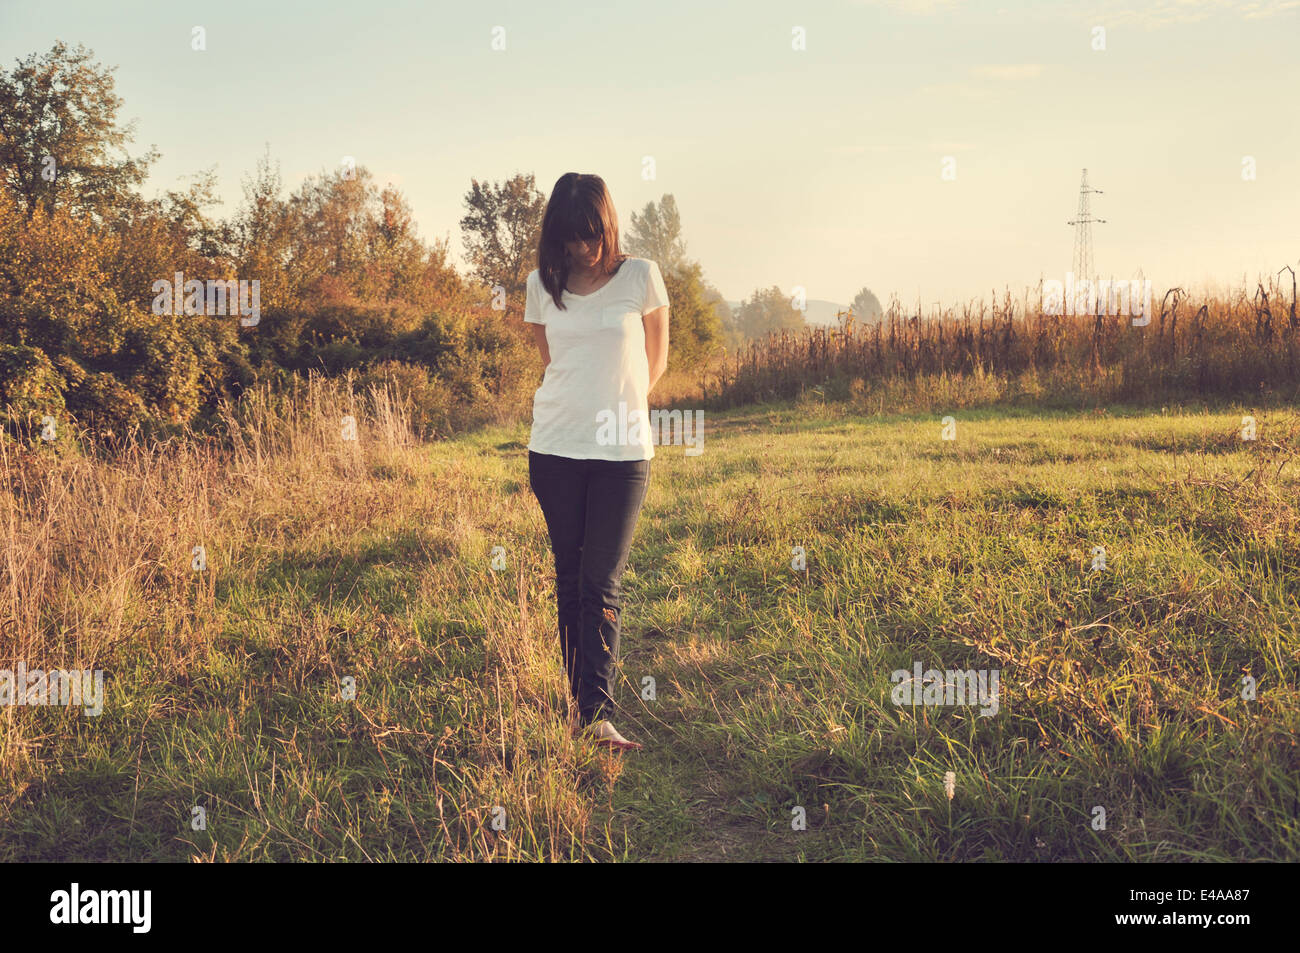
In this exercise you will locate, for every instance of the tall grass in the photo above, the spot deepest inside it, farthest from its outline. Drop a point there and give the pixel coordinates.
(224, 687)
(1247, 345)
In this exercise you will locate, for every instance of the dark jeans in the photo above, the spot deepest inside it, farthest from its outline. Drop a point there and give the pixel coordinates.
(591, 507)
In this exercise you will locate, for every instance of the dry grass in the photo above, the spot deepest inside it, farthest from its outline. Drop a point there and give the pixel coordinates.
(223, 685)
(1245, 346)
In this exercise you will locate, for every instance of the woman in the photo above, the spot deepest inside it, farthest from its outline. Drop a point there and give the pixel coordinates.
(600, 320)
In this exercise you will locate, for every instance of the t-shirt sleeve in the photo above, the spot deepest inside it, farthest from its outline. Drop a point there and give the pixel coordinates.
(533, 300)
(656, 295)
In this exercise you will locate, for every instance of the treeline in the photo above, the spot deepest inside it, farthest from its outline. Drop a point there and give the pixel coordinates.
(343, 281)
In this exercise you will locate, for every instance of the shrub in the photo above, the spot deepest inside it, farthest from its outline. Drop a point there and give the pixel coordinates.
(30, 387)
(107, 406)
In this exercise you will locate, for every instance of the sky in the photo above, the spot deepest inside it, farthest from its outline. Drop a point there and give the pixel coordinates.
(805, 142)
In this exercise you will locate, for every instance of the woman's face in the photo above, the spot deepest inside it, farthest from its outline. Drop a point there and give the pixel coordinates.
(584, 252)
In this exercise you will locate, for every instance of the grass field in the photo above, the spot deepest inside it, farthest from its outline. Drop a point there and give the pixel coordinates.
(1120, 688)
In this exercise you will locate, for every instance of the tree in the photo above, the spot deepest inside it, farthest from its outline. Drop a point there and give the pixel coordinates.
(330, 217)
(696, 328)
(187, 213)
(395, 256)
(656, 234)
(59, 138)
(725, 314)
(261, 235)
(767, 311)
(866, 307)
(502, 231)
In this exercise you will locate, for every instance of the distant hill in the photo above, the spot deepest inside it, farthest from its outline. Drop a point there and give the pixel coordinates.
(819, 312)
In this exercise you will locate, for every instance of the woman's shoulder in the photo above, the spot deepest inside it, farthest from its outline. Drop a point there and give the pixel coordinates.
(637, 264)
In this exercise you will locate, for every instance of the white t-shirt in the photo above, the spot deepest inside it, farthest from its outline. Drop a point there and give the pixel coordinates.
(593, 402)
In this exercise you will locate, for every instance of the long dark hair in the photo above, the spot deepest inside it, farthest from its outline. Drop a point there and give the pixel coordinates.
(579, 209)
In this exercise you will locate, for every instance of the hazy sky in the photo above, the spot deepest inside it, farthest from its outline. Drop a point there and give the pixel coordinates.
(818, 167)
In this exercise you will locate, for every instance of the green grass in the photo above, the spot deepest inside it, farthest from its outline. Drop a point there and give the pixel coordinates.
(1120, 688)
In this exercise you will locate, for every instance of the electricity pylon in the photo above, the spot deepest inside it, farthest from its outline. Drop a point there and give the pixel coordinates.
(1083, 263)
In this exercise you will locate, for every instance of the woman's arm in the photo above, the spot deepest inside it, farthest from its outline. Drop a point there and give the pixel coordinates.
(656, 342)
(539, 338)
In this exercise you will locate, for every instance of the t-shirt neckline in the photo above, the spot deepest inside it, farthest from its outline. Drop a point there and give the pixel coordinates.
(592, 294)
